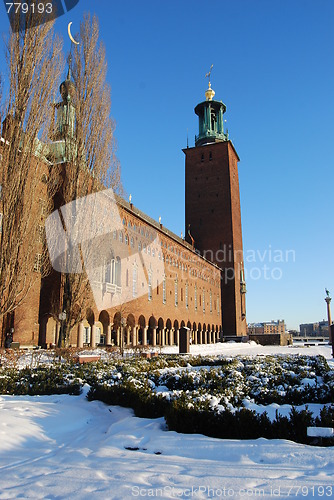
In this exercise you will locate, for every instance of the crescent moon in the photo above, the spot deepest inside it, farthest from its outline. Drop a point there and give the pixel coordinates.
(70, 35)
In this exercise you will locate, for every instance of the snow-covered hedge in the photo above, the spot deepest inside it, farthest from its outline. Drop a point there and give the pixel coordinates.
(212, 395)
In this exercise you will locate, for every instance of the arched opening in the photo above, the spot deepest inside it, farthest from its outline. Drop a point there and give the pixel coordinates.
(142, 325)
(152, 324)
(131, 323)
(104, 319)
(183, 324)
(176, 327)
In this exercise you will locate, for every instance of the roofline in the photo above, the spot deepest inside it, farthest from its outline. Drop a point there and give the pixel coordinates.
(211, 144)
(129, 207)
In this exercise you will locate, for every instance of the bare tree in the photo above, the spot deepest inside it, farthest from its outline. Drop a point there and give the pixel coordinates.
(34, 63)
(91, 164)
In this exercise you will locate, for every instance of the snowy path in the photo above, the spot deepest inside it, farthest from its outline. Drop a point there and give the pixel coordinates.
(64, 447)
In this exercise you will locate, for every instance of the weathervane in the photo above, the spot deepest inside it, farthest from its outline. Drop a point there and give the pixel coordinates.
(208, 75)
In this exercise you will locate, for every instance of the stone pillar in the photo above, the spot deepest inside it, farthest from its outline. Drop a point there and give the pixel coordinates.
(80, 335)
(134, 336)
(128, 335)
(118, 337)
(93, 336)
(171, 335)
(194, 337)
(144, 336)
(108, 338)
(154, 337)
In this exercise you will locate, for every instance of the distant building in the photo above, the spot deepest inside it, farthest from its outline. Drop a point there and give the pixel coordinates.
(314, 329)
(267, 327)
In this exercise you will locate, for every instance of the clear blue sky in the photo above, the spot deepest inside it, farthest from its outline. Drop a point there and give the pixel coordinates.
(273, 68)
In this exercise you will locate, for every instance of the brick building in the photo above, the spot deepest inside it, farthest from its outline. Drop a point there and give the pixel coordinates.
(197, 282)
(267, 327)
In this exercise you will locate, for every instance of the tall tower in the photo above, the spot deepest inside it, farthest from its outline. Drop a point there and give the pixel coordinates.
(212, 211)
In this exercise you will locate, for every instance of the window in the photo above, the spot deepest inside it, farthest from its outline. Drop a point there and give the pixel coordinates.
(204, 301)
(127, 278)
(124, 222)
(126, 239)
(121, 236)
(210, 301)
(139, 246)
(150, 286)
(218, 309)
(132, 243)
(176, 292)
(187, 296)
(114, 234)
(134, 281)
(38, 263)
(195, 297)
(164, 294)
(118, 272)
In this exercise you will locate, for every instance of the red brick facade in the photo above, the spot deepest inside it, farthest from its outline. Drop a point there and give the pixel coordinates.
(213, 213)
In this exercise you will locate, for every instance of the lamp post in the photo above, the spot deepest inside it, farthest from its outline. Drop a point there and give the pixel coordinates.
(329, 316)
(62, 317)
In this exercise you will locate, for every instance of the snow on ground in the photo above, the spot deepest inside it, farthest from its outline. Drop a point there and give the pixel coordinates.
(64, 447)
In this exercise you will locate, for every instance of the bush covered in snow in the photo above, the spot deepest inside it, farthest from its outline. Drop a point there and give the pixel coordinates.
(214, 395)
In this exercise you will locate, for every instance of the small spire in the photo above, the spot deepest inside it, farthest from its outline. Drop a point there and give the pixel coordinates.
(210, 93)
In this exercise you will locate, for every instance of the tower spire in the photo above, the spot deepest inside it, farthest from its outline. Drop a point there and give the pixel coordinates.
(210, 114)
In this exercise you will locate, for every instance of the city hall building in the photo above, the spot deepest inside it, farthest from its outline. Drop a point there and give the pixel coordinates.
(200, 279)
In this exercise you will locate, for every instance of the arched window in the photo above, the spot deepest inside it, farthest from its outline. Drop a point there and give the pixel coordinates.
(195, 297)
(150, 285)
(187, 297)
(176, 290)
(134, 281)
(118, 271)
(164, 294)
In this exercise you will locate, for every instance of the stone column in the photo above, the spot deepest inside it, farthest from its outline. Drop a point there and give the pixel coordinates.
(108, 336)
(154, 337)
(171, 335)
(80, 335)
(144, 336)
(134, 336)
(194, 334)
(118, 337)
(128, 335)
(329, 316)
(93, 336)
